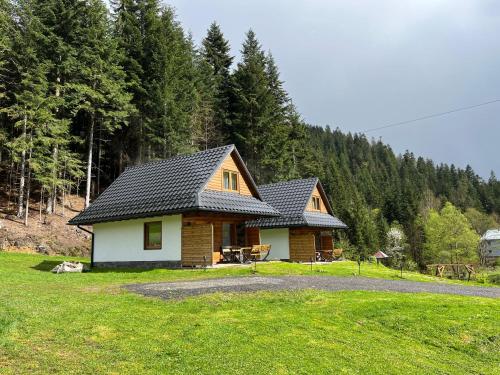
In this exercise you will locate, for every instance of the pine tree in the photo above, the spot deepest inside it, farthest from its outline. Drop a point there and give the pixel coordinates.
(6, 28)
(169, 80)
(277, 160)
(32, 108)
(97, 90)
(216, 53)
(28, 74)
(206, 131)
(129, 32)
(59, 20)
(252, 104)
(6, 33)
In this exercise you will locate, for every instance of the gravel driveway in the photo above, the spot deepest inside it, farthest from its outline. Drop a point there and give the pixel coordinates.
(182, 289)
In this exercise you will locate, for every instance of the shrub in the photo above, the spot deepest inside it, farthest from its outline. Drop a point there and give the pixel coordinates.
(494, 278)
(410, 265)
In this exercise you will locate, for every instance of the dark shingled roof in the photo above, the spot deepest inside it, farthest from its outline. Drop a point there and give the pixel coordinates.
(290, 199)
(171, 186)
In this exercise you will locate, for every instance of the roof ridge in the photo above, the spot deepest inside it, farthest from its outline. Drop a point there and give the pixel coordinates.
(289, 181)
(176, 157)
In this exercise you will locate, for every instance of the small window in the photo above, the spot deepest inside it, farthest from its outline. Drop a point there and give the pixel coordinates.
(316, 203)
(230, 180)
(152, 235)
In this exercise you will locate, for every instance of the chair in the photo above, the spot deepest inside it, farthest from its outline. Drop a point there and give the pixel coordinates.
(257, 252)
(227, 254)
(337, 253)
(264, 251)
(325, 255)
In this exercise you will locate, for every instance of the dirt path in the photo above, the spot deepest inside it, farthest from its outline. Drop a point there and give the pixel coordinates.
(182, 289)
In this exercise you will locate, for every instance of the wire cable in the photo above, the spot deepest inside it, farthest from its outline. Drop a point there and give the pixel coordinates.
(431, 116)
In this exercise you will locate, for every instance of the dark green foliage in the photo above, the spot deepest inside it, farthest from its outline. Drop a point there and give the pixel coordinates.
(252, 104)
(77, 83)
(360, 176)
(217, 77)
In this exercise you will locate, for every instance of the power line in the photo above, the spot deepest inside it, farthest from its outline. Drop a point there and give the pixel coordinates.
(431, 116)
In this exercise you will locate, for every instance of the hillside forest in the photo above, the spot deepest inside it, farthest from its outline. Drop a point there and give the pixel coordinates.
(87, 90)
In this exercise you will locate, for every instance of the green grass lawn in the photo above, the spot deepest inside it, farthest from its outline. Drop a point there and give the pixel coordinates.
(84, 323)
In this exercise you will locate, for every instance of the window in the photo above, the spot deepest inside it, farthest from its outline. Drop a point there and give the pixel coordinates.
(230, 180)
(316, 203)
(152, 235)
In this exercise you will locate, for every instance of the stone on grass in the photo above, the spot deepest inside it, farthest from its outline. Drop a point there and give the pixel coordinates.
(68, 267)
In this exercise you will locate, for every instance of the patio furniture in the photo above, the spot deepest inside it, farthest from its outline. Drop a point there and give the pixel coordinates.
(324, 255)
(233, 254)
(257, 252)
(337, 253)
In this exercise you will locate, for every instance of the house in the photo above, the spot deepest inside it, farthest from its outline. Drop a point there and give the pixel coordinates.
(489, 246)
(305, 223)
(174, 212)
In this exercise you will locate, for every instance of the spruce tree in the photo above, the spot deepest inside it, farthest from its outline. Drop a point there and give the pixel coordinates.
(129, 32)
(215, 52)
(58, 20)
(6, 33)
(97, 89)
(252, 103)
(276, 157)
(33, 107)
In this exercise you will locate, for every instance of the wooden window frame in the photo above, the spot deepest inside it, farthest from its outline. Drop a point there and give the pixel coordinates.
(231, 174)
(146, 236)
(315, 206)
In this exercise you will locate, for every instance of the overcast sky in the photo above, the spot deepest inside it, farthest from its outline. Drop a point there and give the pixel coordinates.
(363, 64)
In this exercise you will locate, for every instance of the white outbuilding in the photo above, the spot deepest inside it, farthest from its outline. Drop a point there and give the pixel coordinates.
(489, 246)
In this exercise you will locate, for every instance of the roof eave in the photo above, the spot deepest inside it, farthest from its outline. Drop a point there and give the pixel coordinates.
(167, 212)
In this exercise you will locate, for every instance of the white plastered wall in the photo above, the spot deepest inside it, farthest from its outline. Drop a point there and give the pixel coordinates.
(123, 241)
(278, 239)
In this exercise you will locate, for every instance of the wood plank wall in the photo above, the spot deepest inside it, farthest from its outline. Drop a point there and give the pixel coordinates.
(322, 206)
(326, 242)
(301, 243)
(229, 163)
(197, 242)
(252, 236)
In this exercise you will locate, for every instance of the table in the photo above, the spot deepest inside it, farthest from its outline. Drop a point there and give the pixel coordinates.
(234, 254)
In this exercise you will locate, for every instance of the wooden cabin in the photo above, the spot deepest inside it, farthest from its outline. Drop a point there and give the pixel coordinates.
(304, 229)
(175, 212)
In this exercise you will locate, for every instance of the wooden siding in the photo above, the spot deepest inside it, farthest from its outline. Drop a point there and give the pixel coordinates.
(229, 164)
(326, 242)
(322, 206)
(190, 220)
(252, 236)
(197, 243)
(302, 246)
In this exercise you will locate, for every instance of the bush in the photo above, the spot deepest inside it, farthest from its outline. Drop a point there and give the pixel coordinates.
(482, 278)
(410, 265)
(494, 278)
(488, 278)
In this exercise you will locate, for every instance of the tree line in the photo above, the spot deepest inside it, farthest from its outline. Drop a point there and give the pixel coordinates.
(86, 91)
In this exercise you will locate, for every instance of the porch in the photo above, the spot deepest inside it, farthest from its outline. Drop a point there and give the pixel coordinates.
(311, 244)
(205, 235)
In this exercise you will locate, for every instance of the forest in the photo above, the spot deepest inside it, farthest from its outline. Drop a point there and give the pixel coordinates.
(87, 90)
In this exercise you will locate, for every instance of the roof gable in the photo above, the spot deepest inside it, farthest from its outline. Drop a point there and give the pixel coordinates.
(292, 199)
(233, 162)
(324, 204)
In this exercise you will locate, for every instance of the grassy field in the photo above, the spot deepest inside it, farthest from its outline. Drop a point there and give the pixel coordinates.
(84, 323)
